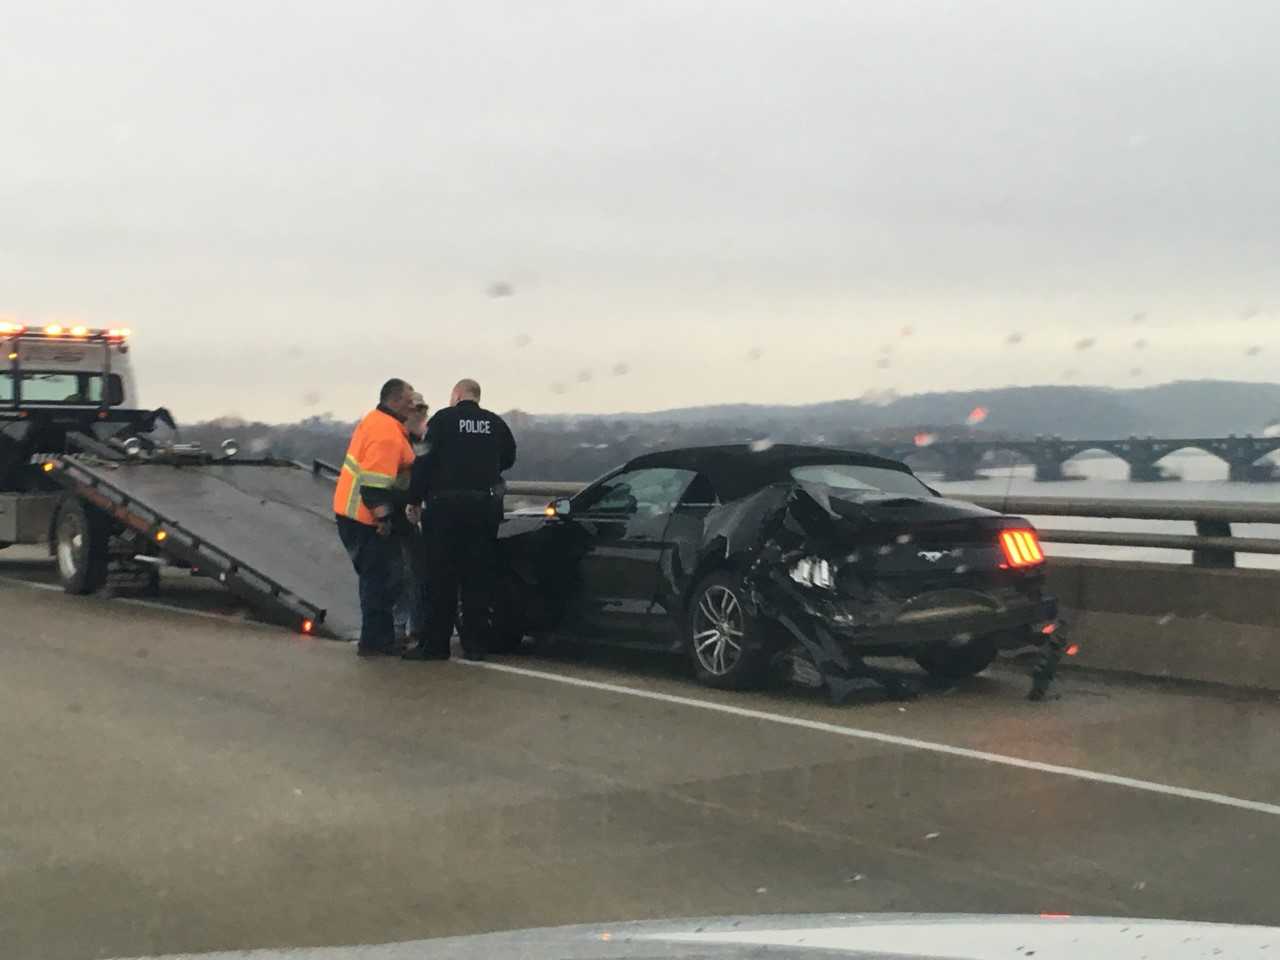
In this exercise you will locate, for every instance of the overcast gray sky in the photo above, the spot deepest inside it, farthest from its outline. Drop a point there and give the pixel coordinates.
(692, 202)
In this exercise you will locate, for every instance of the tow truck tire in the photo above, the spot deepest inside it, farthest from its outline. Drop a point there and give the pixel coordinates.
(715, 613)
(959, 663)
(81, 536)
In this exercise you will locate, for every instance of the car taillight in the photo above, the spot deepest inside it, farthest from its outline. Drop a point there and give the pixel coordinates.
(1021, 548)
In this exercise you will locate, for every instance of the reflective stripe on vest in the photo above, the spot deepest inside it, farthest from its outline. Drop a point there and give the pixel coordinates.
(375, 429)
(368, 478)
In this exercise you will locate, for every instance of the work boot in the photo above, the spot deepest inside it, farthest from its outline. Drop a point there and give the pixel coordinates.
(424, 652)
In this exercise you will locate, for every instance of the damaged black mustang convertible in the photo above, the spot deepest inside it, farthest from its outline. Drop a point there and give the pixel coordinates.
(743, 557)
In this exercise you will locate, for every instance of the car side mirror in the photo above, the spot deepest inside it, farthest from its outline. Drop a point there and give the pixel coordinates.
(562, 508)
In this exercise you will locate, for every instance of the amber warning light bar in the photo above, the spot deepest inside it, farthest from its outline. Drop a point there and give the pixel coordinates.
(61, 331)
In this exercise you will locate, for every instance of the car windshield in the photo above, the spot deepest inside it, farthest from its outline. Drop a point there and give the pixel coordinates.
(855, 479)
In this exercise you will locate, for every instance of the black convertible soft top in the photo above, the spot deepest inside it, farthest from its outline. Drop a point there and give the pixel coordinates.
(739, 469)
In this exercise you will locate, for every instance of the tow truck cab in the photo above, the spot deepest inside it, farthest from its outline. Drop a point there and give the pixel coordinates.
(57, 382)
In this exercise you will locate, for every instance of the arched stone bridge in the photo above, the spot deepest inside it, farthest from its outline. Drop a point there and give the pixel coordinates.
(961, 459)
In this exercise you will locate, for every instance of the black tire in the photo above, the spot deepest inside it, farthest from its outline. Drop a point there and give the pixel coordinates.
(737, 656)
(81, 535)
(959, 663)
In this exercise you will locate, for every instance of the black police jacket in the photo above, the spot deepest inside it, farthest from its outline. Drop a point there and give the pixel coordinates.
(468, 448)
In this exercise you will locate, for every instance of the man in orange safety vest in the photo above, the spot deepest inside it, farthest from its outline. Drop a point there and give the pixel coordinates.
(369, 503)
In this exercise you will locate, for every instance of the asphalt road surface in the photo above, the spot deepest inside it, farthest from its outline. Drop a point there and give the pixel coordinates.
(177, 783)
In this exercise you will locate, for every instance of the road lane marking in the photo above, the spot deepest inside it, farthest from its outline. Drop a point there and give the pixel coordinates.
(230, 618)
(856, 733)
(35, 585)
(875, 736)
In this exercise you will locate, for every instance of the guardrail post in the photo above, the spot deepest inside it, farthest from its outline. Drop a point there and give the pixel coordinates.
(1213, 557)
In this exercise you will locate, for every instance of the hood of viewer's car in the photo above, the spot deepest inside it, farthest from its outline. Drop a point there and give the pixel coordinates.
(861, 936)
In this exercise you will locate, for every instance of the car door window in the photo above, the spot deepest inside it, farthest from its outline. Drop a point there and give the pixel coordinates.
(699, 493)
(637, 493)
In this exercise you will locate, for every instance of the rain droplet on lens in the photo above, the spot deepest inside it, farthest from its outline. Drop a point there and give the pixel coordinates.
(500, 289)
(755, 353)
(1140, 344)
(925, 439)
(908, 330)
(621, 369)
(311, 398)
(1249, 312)
(1138, 318)
(903, 538)
(1084, 343)
(1253, 351)
(1135, 371)
(523, 340)
(760, 446)
(977, 415)
(886, 349)
(1013, 339)
(558, 387)
(884, 363)
(1069, 373)
(584, 376)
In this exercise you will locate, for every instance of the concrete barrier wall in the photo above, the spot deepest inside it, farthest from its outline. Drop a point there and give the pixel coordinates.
(1162, 620)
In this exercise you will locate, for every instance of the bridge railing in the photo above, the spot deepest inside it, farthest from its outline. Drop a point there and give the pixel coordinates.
(1212, 545)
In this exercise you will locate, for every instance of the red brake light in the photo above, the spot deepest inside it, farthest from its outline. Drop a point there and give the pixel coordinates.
(1021, 548)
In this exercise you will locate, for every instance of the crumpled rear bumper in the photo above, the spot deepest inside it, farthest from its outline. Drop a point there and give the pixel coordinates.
(837, 634)
(1013, 624)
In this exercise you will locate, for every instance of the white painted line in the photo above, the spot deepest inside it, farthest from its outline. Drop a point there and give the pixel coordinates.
(203, 614)
(150, 605)
(875, 736)
(32, 584)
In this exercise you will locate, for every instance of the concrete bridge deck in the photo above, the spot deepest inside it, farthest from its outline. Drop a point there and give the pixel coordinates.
(179, 783)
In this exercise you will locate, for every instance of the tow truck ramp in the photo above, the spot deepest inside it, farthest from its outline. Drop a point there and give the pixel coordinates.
(264, 528)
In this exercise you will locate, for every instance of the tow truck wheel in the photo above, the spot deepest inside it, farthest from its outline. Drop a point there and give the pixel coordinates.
(722, 637)
(80, 546)
(958, 663)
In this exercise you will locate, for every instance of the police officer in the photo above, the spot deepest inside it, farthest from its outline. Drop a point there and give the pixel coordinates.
(459, 479)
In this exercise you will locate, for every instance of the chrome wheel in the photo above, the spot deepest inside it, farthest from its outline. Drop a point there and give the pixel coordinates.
(718, 629)
(70, 545)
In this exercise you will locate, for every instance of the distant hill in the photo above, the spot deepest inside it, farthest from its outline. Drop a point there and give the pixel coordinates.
(582, 446)
(1182, 408)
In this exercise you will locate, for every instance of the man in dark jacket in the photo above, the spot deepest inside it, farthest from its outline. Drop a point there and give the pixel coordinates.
(458, 479)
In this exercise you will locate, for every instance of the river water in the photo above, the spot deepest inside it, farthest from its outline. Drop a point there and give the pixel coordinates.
(1202, 477)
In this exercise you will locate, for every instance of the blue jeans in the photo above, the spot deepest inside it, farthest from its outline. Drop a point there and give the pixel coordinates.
(411, 607)
(379, 565)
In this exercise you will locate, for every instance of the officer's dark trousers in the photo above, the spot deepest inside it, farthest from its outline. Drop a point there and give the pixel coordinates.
(462, 535)
(380, 567)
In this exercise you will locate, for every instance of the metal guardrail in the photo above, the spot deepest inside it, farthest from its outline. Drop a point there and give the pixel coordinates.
(1212, 545)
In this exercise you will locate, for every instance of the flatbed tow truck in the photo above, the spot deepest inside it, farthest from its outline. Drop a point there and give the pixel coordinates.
(115, 494)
